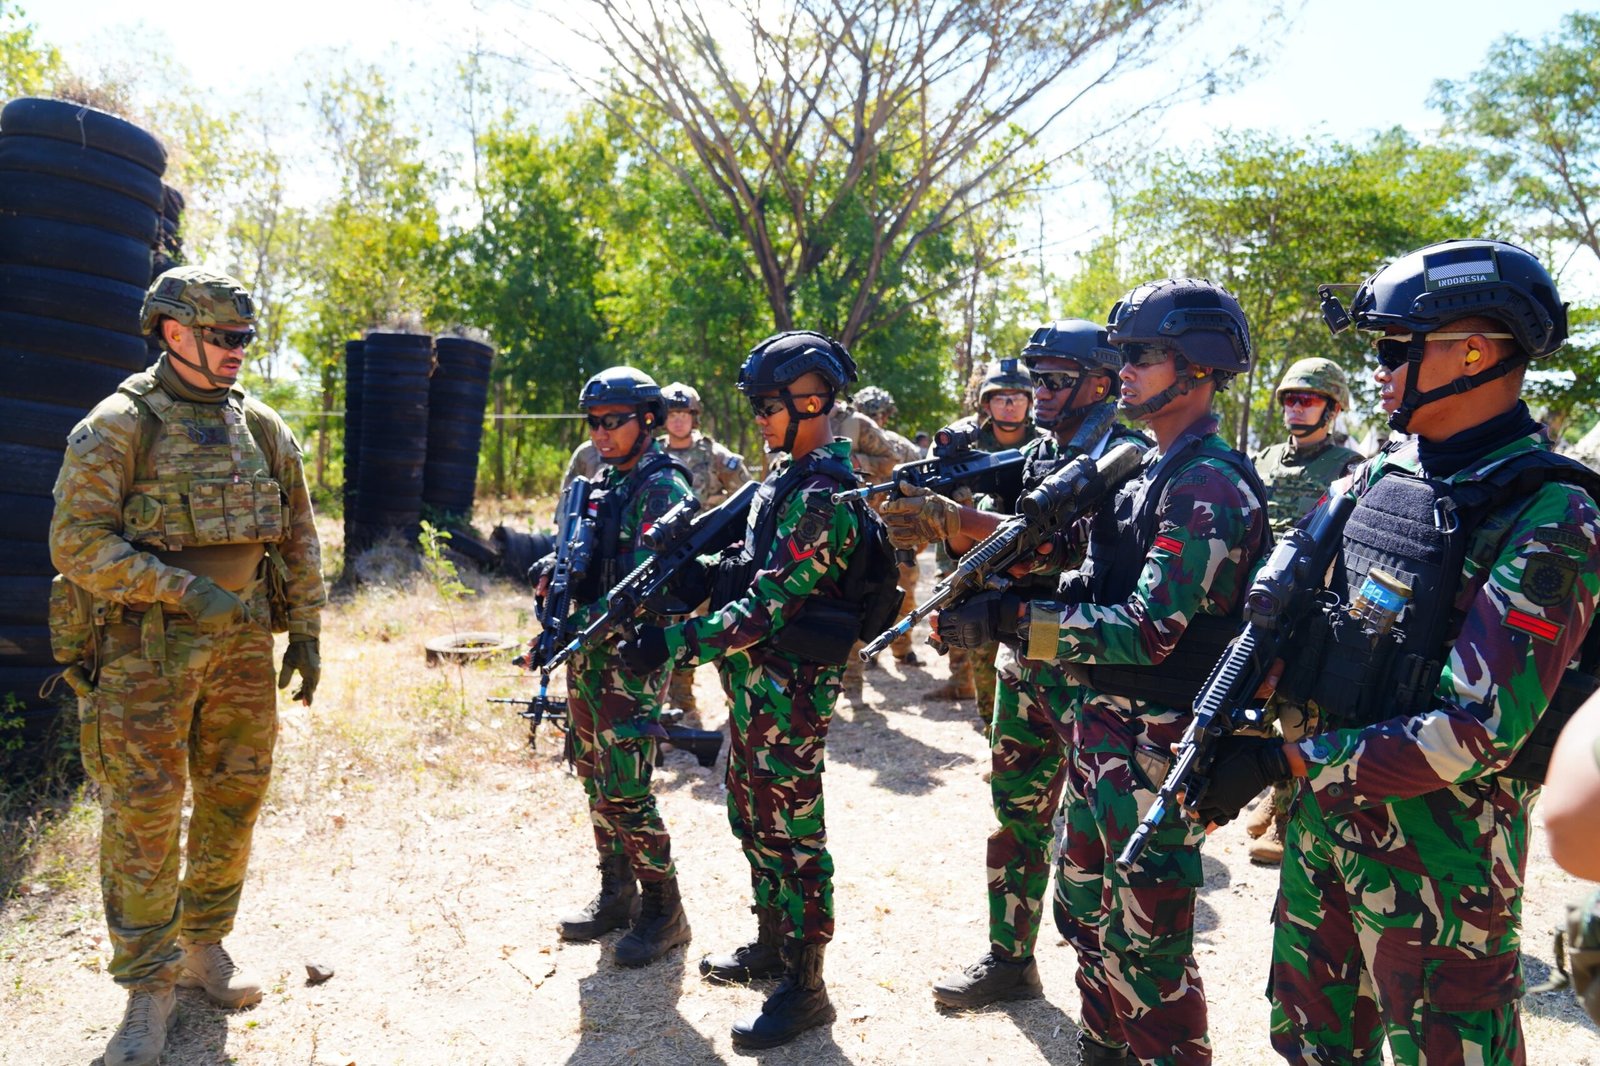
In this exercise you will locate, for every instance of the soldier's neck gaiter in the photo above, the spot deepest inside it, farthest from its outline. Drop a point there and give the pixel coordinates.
(167, 375)
(1454, 454)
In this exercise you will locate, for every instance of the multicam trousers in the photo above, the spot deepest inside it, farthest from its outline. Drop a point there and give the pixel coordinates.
(779, 724)
(1133, 932)
(615, 738)
(205, 713)
(1363, 950)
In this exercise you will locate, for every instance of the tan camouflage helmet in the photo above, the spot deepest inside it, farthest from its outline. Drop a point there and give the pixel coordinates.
(1007, 375)
(681, 397)
(196, 296)
(1322, 376)
(874, 402)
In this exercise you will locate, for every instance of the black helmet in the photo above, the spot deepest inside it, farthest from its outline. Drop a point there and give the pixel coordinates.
(1431, 286)
(625, 385)
(1200, 319)
(784, 357)
(1077, 339)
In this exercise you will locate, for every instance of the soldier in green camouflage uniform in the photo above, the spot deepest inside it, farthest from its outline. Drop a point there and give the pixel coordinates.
(1140, 623)
(781, 632)
(1297, 473)
(615, 714)
(714, 473)
(1399, 911)
(182, 516)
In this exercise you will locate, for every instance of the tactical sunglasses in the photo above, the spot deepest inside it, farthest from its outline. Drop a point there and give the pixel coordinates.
(1392, 347)
(1302, 399)
(611, 422)
(1055, 380)
(765, 406)
(228, 339)
(1144, 354)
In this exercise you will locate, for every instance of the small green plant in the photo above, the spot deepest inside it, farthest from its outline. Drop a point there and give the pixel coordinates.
(11, 724)
(441, 570)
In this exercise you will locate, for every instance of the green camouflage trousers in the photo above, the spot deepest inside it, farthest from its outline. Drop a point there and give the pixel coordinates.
(1362, 949)
(615, 737)
(205, 714)
(779, 724)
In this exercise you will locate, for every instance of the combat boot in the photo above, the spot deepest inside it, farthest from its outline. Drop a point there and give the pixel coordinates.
(613, 908)
(1260, 819)
(990, 979)
(142, 1035)
(800, 1001)
(1268, 851)
(660, 927)
(952, 690)
(207, 965)
(1095, 1053)
(762, 957)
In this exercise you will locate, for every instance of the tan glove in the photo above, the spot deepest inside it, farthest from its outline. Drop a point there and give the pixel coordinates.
(920, 516)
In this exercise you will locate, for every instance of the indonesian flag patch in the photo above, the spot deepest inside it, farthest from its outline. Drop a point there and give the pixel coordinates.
(1540, 628)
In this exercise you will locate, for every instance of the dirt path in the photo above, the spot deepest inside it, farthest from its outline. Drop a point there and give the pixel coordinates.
(413, 844)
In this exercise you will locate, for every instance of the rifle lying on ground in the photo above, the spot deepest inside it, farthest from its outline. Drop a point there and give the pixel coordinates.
(1282, 594)
(575, 542)
(703, 744)
(955, 460)
(675, 541)
(1059, 500)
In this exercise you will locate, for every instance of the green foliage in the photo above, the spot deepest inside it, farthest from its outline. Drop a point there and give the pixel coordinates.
(28, 66)
(439, 567)
(11, 724)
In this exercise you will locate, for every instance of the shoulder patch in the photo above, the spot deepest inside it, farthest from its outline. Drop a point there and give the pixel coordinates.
(732, 462)
(1169, 544)
(1548, 577)
(83, 439)
(1541, 628)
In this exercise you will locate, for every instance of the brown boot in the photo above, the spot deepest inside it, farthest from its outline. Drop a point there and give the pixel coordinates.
(1260, 819)
(1268, 851)
(952, 690)
(207, 965)
(142, 1035)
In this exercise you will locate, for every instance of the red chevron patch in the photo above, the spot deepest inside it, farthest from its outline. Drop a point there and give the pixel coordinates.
(1542, 628)
(1170, 544)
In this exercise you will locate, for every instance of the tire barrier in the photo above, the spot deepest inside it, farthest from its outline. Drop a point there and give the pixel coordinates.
(458, 393)
(80, 210)
(354, 363)
(393, 438)
(518, 551)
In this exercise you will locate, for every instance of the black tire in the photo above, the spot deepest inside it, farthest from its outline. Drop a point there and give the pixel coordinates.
(26, 558)
(45, 156)
(74, 201)
(54, 380)
(28, 470)
(24, 517)
(71, 297)
(404, 341)
(44, 242)
(23, 682)
(24, 600)
(25, 644)
(42, 425)
(69, 340)
(85, 127)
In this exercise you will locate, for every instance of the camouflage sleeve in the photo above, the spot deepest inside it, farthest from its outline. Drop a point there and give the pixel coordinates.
(1522, 626)
(1205, 521)
(729, 468)
(665, 490)
(300, 548)
(870, 447)
(806, 551)
(575, 466)
(86, 542)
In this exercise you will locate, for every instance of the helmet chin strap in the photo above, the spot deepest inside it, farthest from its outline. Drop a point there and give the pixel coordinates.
(640, 441)
(1414, 398)
(1180, 387)
(202, 366)
(796, 416)
(1299, 432)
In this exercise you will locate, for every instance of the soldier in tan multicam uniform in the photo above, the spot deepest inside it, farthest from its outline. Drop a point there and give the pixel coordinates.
(585, 462)
(714, 473)
(183, 523)
(878, 404)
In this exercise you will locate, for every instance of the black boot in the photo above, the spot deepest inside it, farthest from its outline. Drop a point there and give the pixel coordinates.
(660, 927)
(1095, 1053)
(800, 1001)
(761, 958)
(989, 979)
(613, 908)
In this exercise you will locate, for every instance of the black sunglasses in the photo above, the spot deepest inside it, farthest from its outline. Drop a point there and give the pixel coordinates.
(1055, 380)
(1143, 354)
(1392, 352)
(765, 406)
(227, 338)
(612, 422)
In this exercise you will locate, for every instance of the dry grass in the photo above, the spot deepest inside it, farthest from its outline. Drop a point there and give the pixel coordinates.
(412, 843)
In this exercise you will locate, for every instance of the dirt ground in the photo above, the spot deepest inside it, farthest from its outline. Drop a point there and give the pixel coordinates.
(413, 844)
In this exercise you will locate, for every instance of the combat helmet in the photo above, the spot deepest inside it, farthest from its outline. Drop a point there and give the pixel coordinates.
(1197, 318)
(783, 358)
(1077, 339)
(1321, 376)
(681, 397)
(195, 296)
(875, 402)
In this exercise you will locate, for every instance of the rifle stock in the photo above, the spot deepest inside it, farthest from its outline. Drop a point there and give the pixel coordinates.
(704, 744)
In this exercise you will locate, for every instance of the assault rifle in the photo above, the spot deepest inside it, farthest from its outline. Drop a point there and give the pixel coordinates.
(1060, 499)
(575, 543)
(955, 459)
(1280, 597)
(704, 744)
(676, 539)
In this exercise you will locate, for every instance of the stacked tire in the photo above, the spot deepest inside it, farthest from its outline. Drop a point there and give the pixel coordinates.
(80, 199)
(354, 362)
(458, 393)
(394, 438)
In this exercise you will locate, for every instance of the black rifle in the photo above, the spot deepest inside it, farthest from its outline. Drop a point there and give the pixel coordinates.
(1279, 599)
(704, 744)
(677, 539)
(575, 543)
(955, 459)
(1067, 494)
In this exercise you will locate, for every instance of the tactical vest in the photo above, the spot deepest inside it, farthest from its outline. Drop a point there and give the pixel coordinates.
(607, 509)
(1293, 488)
(1423, 531)
(1120, 539)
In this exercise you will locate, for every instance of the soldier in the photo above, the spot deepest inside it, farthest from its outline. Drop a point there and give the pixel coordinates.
(1074, 372)
(783, 627)
(1297, 473)
(585, 462)
(1005, 401)
(182, 517)
(714, 473)
(1399, 908)
(878, 404)
(614, 714)
(1141, 622)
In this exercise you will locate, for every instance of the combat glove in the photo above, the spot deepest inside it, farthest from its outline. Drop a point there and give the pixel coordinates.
(1241, 768)
(645, 653)
(541, 569)
(920, 517)
(980, 620)
(305, 657)
(210, 605)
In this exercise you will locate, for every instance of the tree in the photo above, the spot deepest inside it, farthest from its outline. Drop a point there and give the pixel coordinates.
(28, 66)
